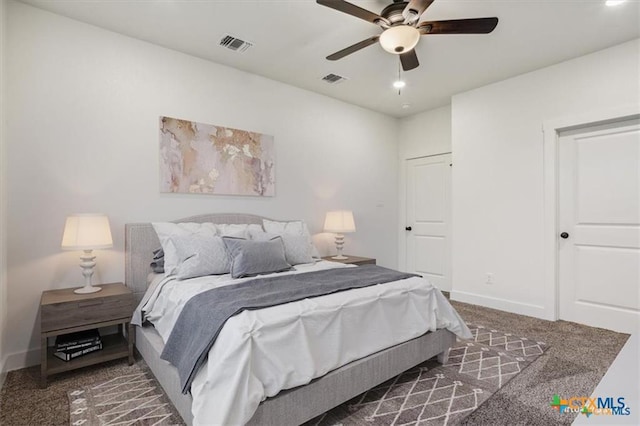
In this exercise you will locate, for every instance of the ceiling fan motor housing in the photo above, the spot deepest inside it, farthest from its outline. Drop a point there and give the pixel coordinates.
(393, 12)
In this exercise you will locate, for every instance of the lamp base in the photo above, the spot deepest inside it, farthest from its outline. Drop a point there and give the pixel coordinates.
(87, 289)
(340, 257)
(87, 265)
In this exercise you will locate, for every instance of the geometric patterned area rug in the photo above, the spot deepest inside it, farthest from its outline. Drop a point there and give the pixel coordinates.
(428, 394)
(134, 399)
(435, 394)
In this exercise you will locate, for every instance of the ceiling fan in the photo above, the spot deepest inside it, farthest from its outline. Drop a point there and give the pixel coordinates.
(402, 31)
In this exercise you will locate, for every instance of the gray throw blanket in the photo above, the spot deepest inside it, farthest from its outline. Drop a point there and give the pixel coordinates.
(204, 315)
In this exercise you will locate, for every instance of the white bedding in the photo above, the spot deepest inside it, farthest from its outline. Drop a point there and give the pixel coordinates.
(259, 353)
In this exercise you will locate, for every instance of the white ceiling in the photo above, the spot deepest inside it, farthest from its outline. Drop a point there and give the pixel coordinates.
(293, 37)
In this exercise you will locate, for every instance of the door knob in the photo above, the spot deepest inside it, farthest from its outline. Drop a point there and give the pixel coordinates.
(564, 235)
(408, 228)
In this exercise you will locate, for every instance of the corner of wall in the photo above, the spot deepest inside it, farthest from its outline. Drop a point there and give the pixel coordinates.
(3, 196)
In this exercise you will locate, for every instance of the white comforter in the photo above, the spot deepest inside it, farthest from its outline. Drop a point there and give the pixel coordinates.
(261, 352)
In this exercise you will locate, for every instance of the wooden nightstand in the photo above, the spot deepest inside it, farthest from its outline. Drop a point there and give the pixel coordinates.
(353, 260)
(63, 312)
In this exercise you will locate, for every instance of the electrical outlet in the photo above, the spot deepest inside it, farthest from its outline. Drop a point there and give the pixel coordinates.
(489, 280)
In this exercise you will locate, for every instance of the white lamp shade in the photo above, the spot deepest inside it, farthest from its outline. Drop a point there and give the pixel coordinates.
(339, 222)
(86, 231)
(399, 39)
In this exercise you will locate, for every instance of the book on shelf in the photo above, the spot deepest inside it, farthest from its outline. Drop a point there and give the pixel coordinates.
(78, 346)
(80, 339)
(68, 355)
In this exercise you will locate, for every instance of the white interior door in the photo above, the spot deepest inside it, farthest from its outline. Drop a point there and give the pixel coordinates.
(599, 219)
(429, 219)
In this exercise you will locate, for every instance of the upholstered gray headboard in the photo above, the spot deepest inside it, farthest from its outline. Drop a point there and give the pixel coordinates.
(140, 241)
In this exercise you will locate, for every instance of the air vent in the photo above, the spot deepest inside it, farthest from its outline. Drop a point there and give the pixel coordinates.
(334, 78)
(235, 44)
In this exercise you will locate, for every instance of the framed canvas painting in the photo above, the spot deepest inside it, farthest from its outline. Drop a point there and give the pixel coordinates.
(197, 158)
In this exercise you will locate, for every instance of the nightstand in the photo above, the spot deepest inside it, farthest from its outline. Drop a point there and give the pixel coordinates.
(63, 312)
(352, 260)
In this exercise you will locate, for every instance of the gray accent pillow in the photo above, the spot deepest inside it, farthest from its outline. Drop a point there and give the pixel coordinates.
(297, 249)
(157, 264)
(250, 258)
(200, 254)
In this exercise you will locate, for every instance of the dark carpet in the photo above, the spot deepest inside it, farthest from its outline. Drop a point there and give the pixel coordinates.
(577, 358)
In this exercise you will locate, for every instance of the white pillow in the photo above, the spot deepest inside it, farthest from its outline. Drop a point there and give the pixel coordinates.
(166, 230)
(296, 247)
(202, 253)
(237, 230)
(294, 227)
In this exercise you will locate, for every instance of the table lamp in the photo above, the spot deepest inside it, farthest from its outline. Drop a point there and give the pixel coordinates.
(339, 222)
(87, 232)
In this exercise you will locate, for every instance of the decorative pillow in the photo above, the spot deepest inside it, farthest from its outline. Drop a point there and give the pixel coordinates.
(296, 247)
(237, 230)
(200, 254)
(157, 264)
(166, 230)
(294, 227)
(250, 258)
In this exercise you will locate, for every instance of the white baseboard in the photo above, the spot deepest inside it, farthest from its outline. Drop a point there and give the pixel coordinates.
(18, 360)
(3, 372)
(500, 304)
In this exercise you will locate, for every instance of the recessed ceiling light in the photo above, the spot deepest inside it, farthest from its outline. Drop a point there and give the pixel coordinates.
(399, 84)
(406, 106)
(614, 2)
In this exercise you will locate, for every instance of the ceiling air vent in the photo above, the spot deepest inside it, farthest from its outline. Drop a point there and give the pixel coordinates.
(334, 78)
(234, 43)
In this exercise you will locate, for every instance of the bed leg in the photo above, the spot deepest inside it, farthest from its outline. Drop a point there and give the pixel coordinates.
(443, 357)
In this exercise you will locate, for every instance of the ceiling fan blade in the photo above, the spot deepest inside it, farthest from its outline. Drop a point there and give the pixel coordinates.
(415, 9)
(354, 48)
(353, 10)
(459, 26)
(409, 60)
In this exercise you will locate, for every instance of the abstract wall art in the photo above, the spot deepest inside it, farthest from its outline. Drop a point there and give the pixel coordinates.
(197, 158)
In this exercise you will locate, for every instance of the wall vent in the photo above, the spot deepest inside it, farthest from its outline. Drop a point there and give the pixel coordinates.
(234, 43)
(334, 78)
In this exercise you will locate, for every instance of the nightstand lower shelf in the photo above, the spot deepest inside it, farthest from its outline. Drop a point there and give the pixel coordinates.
(114, 346)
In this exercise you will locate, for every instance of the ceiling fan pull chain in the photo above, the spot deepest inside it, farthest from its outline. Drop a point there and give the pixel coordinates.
(399, 77)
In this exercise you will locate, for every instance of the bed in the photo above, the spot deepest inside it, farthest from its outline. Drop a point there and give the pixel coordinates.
(289, 406)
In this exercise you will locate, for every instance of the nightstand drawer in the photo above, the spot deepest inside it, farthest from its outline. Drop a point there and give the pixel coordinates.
(57, 316)
(352, 260)
(365, 262)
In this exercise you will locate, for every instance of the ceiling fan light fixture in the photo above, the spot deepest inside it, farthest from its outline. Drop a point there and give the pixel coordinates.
(399, 39)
